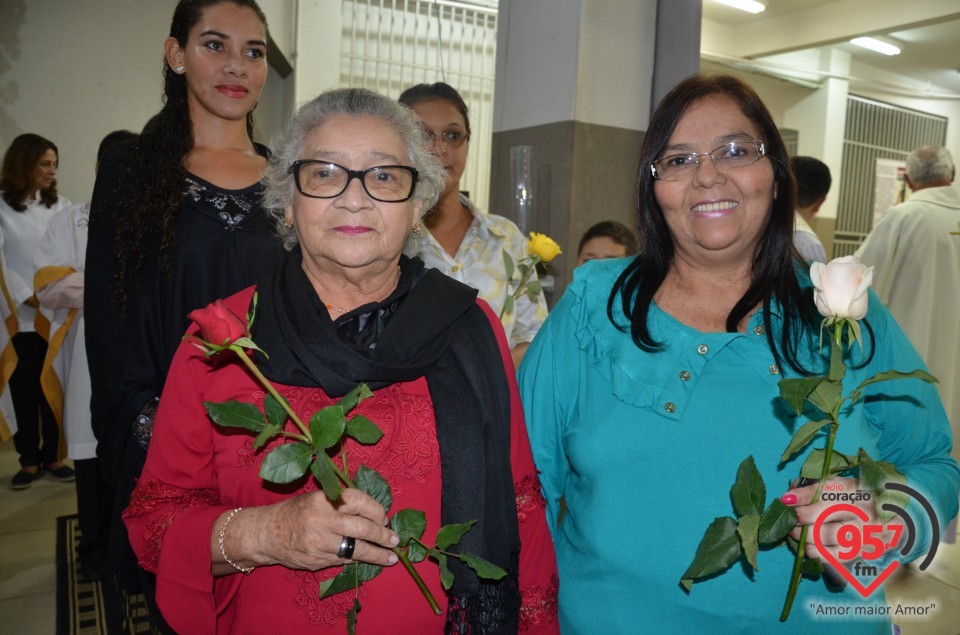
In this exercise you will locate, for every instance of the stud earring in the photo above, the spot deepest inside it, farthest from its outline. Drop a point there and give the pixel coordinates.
(177, 69)
(416, 227)
(287, 222)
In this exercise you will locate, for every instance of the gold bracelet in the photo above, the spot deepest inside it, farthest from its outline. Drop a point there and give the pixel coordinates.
(223, 554)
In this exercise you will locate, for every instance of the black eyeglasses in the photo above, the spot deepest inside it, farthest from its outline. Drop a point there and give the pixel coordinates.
(384, 183)
(729, 156)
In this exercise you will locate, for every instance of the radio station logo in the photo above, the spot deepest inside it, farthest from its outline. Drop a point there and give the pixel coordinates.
(862, 546)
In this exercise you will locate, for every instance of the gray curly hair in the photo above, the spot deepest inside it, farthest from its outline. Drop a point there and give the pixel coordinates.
(352, 102)
(930, 164)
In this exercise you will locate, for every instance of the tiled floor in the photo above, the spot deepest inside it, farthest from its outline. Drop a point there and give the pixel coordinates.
(28, 574)
(28, 531)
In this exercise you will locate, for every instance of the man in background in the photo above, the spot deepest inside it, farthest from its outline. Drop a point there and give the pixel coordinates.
(915, 249)
(813, 183)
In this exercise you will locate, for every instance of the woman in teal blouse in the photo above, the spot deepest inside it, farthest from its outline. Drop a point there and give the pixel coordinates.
(654, 377)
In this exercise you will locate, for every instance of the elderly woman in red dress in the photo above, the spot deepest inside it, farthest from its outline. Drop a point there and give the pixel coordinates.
(235, 554)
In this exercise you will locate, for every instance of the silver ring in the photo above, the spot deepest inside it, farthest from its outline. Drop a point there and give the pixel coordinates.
(347, 545)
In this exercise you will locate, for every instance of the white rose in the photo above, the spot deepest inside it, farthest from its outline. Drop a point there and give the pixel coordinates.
(841, 287)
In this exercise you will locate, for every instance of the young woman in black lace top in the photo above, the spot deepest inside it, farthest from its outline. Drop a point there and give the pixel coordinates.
(176, 222)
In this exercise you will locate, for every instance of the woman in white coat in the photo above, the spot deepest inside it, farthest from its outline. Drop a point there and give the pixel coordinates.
(27, 202)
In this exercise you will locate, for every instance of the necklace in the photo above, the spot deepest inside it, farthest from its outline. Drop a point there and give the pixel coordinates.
(340, 309)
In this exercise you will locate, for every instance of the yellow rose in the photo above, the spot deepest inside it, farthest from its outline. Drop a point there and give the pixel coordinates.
(543, 247)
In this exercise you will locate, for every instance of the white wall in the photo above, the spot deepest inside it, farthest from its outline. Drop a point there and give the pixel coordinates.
(73, 70)
(949, 108)
(282, 22)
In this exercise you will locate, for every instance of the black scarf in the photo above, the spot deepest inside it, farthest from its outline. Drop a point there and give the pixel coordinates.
(429, 326)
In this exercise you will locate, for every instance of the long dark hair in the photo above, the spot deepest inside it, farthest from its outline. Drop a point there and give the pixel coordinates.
(19, 162)
(153, 187)
(774, 263)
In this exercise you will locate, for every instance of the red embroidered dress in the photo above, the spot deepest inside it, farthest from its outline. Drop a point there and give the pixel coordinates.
(196, 470)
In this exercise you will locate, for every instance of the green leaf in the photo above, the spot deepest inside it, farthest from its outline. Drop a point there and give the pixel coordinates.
(416, 552)
(446, 576)
(853, 335)
(286, 463)
(322, 470)
(777, 521)
(370, 482)
(236, 414)
(508, 265)
(247, 343)
(826, 395)
(747, 527)
(803, 437)
(718, 550)
(251, 314)
(355, 396)
(408, 523)
(367, 572)
(811, 567)
(276, 415)
(795, 390)
(449, 535)
(813, 465)
(507, 305)
(265, 435)
(748, 493)
(890, 375)
(874, 475)
(363, 430)
(484, 569)
(534, 287)
(326, 427)
(346, 580)
(352, 617)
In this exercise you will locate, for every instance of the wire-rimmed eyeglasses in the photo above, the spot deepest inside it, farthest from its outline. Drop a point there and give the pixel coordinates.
(729, 156)
(450, 138)
(384, 183)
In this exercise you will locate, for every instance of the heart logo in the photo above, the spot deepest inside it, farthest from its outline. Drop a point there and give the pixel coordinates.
(835, 563)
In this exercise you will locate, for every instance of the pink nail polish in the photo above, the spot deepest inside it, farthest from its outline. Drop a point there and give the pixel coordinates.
(789, 499)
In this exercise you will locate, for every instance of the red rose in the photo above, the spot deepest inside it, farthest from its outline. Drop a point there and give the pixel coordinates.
(218, 324)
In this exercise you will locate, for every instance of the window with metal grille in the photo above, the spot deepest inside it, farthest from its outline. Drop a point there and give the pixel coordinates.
(389, 45)
(875, 130)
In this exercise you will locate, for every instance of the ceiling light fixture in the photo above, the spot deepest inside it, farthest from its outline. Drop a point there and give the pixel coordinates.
(876, 45)
(744, 5)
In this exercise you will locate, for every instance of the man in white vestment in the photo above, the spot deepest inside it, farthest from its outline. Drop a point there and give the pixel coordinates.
(915, 249)
(813, 182)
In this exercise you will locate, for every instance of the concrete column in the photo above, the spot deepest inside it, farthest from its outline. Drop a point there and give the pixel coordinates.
(574, 82)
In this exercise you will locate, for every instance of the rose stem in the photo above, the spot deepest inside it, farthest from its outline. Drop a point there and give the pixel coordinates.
(340, 473)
